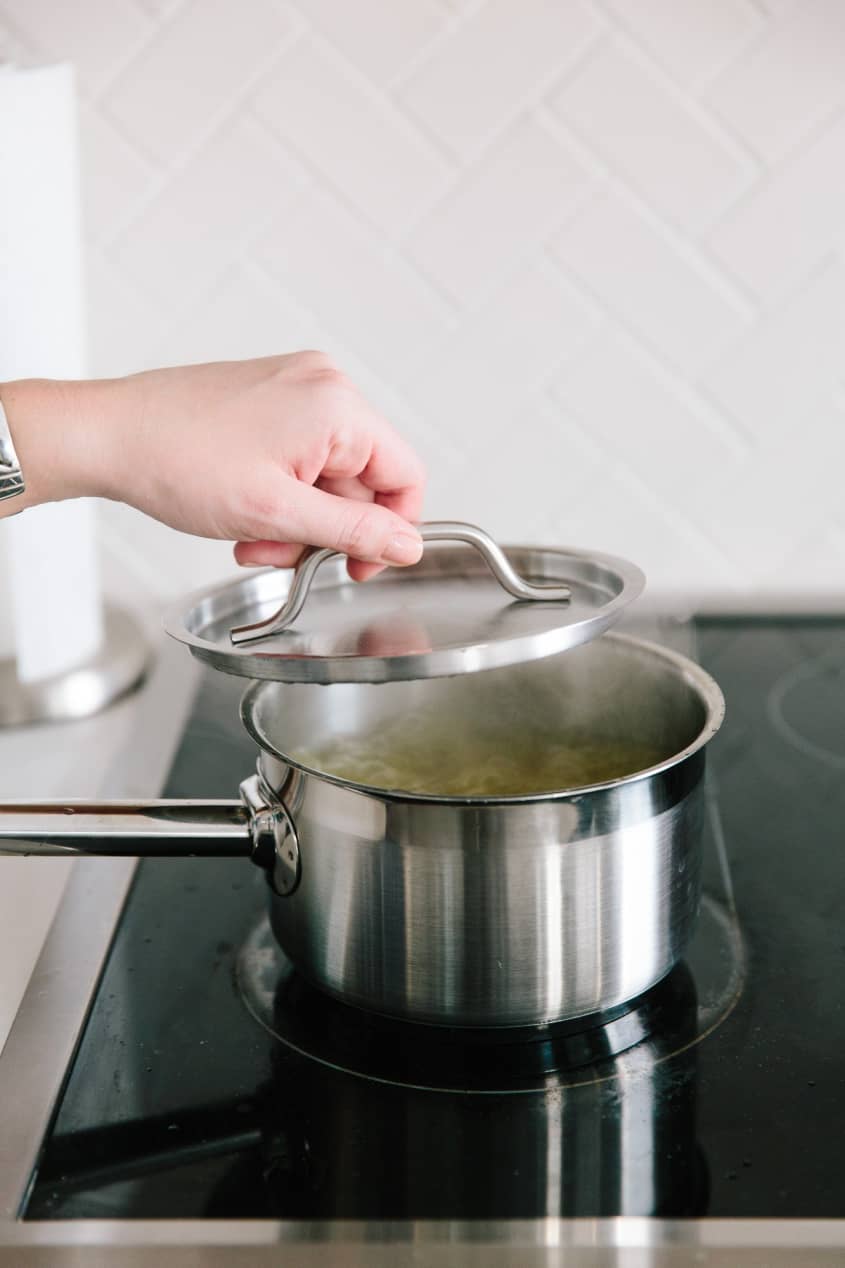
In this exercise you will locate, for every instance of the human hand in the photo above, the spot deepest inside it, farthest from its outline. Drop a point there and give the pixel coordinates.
(273, 454)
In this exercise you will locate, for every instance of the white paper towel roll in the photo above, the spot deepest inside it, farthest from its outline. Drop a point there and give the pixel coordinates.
(7, 628)
(51, 550)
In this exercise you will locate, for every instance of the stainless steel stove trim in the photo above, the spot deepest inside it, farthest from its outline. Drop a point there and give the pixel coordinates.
(47, 1028)
(54, 1008)
(49, 1022)
(623, 1243)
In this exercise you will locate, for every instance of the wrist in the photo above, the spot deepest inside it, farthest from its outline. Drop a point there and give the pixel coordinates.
(58, 429)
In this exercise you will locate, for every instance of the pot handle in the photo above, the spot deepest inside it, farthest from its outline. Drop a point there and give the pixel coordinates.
(441, 531)
(257, 827)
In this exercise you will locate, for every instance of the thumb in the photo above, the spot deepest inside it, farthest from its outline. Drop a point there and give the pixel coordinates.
(362, 530)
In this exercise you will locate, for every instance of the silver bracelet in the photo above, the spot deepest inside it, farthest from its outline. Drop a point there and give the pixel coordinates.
(11, 477)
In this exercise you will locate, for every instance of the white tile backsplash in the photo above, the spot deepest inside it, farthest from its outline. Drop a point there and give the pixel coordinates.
(381, 40)
(466, 385)
(588, 255)
(796, 495)
(658, 286)
(805, 199)
(501, 208)
(793, 358)
(193, 71)
(122, 324)
(510, 442)
(338, 268)
(783, 87)
(375, 158)
(201, 220)
(502, 57)
(116, 179)
(261, 318)
(98, 36)
(642, 417)
(665, 150)
(690, 42)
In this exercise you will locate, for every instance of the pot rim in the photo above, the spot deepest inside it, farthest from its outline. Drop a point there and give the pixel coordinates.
(707, 688)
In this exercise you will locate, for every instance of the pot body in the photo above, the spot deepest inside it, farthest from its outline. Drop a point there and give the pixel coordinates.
(497, 913)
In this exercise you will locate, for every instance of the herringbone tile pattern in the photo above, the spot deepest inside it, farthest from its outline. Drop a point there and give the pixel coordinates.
(587, 253)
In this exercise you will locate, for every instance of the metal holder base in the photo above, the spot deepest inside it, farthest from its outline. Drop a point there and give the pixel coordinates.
(118, 666)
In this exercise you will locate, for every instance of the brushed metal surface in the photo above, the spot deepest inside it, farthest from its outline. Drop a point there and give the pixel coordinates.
(459, 911)
(118, 828)
(624, 1242)
(484, 912)
(117, 667)
(42, 1040)
(12, 482)
(256, 827)
(445, 615)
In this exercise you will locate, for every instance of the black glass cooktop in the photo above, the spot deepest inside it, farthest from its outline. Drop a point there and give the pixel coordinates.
(721, 1092)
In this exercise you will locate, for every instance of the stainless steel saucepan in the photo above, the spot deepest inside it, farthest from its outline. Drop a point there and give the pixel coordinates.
(463, 911)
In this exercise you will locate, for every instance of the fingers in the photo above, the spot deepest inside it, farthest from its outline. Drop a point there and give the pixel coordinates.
(407, 502)
(359, 571)
(267, 554)
(348, 487)
(395, 469)
(404, 502)
(364, 445)
(365, 449)
(357, 489)
(288, 555)
(362, 530)
(273, 554)
(393, 477)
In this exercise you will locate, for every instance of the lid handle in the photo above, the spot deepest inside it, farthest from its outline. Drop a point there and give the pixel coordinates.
(441, 531)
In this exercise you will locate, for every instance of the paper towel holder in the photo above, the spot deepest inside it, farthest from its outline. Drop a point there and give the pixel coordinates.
(84, 689)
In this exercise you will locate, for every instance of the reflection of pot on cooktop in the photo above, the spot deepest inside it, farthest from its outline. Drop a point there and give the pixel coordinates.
(616, 1136)
(807, 707)
(597, 1115)
(622, 1141)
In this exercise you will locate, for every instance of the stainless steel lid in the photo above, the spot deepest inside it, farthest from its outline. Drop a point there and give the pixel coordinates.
(457, 611)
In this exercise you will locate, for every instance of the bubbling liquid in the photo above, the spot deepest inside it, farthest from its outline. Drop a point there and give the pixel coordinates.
(418, 756)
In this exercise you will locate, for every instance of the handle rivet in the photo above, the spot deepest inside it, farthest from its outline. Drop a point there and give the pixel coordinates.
(275, 845)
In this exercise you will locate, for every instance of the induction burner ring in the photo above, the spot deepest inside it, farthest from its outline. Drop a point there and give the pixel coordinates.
(678, 1012)
(810, 698)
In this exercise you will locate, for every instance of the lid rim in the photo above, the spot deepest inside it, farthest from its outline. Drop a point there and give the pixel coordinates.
(188, 623)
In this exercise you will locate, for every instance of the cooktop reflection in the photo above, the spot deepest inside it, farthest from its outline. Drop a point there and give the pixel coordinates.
(211, 1082)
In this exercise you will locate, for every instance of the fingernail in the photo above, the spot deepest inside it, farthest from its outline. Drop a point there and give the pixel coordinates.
(252, 565)
(403, 548)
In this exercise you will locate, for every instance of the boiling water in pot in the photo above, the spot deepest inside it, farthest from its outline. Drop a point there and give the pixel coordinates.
(471, 759)
(601, 712)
